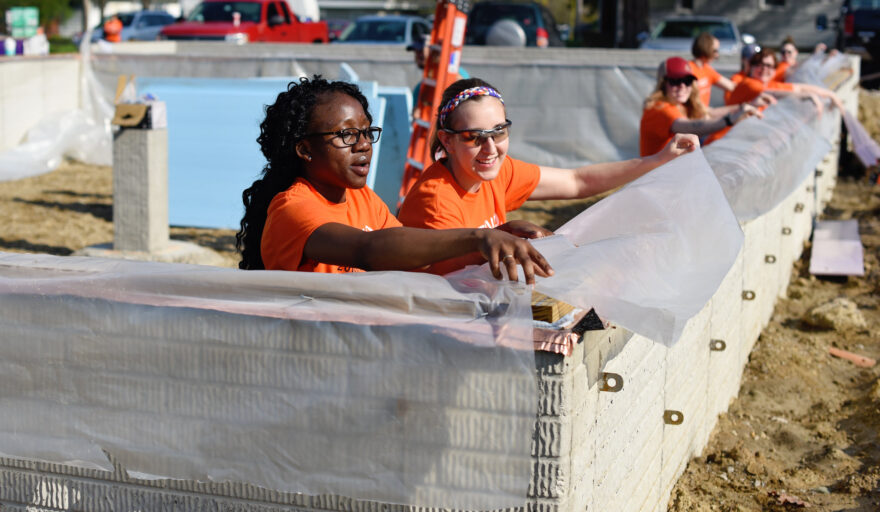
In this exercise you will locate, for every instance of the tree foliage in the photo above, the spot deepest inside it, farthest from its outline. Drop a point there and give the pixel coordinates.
(50, 10)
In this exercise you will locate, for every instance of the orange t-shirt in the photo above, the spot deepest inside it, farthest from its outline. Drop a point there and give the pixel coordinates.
(297, 212)
(750, 88)
(747, 90)
(437, 201)
(655, 130)
(736, 79)
(781, 68)
(706, 78)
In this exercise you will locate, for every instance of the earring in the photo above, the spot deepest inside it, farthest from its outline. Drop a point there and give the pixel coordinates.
(308, 158)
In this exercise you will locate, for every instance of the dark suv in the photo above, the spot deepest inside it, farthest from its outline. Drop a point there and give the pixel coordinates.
(858, 28)
(536, 21)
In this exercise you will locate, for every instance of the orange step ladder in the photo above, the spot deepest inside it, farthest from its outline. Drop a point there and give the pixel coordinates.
(441, 70)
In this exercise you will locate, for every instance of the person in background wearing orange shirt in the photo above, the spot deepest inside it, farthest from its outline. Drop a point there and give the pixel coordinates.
(788, 62)
(748, 50)
(762, 70)
(474, 183)
(312, 211)
(113, 29)
(675, 107)
(705, 50)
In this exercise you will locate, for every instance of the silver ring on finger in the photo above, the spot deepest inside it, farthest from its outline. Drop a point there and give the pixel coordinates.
(506, 256)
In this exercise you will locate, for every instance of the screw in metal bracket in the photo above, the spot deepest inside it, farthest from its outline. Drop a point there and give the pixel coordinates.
(786, 230)
(611, 382)
(769, 258)
(799, 207)
(717, 345)
(748, 295)
(818, 173)
(671, 417)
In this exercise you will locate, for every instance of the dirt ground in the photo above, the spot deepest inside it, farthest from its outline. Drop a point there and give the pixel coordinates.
(803, 432)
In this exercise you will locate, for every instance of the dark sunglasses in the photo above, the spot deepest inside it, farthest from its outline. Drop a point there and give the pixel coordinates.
(351, 136)
(688, 80)
(476, 138)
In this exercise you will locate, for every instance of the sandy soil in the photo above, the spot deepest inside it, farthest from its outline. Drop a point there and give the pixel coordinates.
(803, 430)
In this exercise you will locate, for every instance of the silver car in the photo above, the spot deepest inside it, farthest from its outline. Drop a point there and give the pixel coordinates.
(677, 34)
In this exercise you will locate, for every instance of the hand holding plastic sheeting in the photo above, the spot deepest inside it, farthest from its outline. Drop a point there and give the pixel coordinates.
(760, 163)
(649, 256)
(864, 146)
(385, 386)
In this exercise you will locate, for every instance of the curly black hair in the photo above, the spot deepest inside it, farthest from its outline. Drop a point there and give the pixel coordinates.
(449, 93)
(287, 122)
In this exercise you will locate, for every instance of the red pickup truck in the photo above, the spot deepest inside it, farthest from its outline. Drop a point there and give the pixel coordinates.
(246, 21)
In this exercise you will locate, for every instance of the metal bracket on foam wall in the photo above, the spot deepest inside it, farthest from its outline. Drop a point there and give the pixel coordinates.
(671, 417)
(611, 382)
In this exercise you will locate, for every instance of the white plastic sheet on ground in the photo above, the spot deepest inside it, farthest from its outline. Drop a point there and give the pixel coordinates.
(864, 146)
(396, 387)
(649, 256)
(83, 134)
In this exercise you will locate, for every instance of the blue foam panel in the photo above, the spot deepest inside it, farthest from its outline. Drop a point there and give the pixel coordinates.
(212, 150)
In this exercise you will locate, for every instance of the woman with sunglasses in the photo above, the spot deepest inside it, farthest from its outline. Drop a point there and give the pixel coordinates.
(474, 183)
(675, 107)
(312, 211)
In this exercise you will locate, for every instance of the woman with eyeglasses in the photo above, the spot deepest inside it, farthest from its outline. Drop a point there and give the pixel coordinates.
(675, 107)
(474, 183)
(762, 71)
(312, 211)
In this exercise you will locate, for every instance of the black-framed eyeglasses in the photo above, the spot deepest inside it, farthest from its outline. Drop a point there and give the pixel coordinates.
(687, 80)
(351, 136)
(476, 138)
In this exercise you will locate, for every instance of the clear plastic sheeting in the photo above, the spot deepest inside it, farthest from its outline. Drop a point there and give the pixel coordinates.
(82, 134)
(397, 387)
(649, 256)
(864, 146)
(761, 161)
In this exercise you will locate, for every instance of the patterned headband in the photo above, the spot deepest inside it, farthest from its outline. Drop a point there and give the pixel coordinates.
(466, 95)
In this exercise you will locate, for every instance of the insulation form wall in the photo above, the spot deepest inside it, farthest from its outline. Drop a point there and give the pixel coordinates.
(592, 450)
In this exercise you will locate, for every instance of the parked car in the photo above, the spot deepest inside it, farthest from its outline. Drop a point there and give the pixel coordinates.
(858, 27)
(335, 27)
(246, 21)
(678, 33)
(136, 26)
(402, 30)
(535, 20)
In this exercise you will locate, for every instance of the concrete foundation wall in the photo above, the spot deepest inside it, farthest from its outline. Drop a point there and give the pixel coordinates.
(32, 88)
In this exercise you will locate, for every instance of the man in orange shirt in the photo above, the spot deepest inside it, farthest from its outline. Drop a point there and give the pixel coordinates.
(113, 29)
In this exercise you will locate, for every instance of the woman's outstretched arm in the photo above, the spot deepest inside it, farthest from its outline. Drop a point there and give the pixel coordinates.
(403, 248)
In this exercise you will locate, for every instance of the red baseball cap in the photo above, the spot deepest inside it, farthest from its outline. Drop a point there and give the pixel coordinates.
(676, 67)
